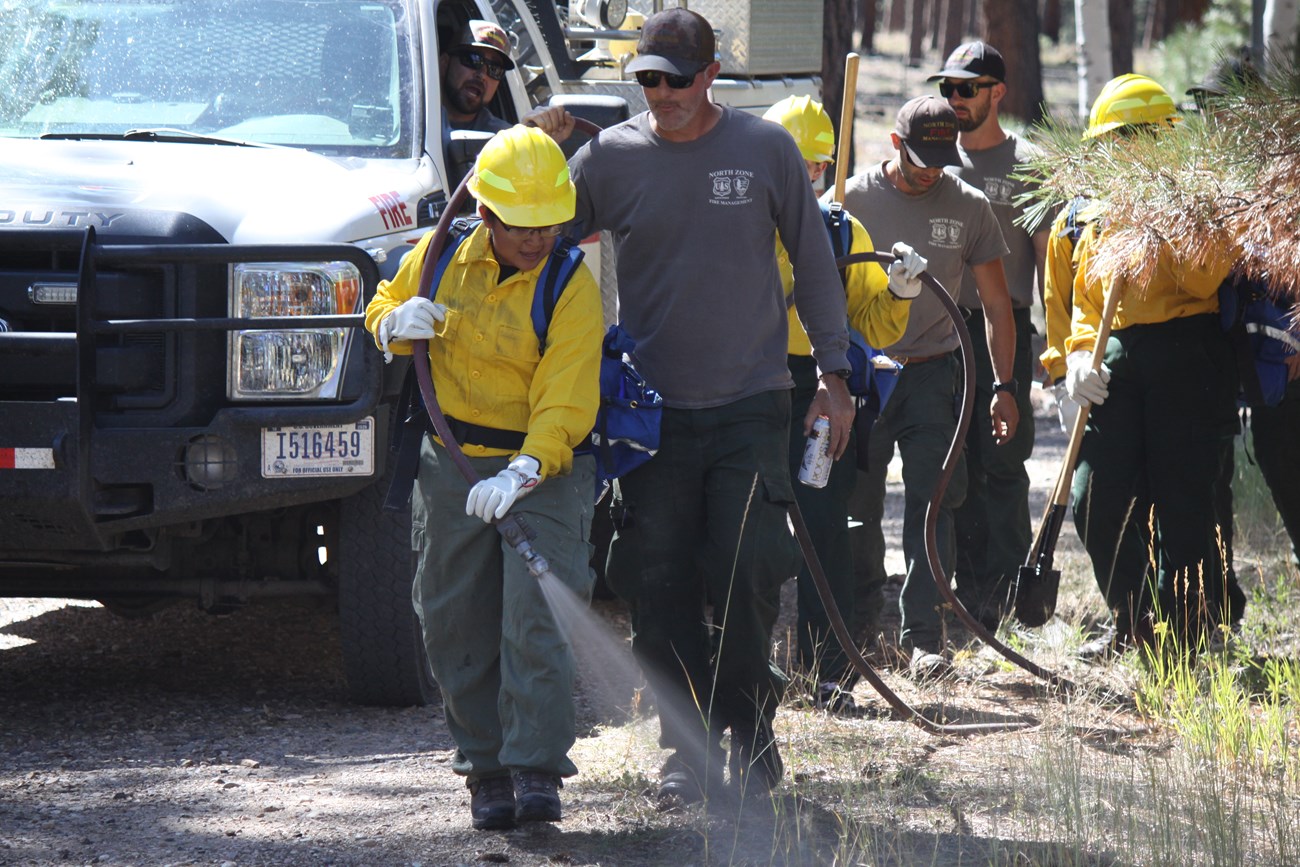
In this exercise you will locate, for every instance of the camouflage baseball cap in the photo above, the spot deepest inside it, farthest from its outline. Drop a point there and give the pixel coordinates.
(676, 41)
(478, 33)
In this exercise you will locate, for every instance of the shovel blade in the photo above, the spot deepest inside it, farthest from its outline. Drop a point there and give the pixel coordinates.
(1036, 590)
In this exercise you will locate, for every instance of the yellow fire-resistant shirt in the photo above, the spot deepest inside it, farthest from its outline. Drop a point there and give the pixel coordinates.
(486, 364)
(874, 312)
(1058, 294)
(1177, 290)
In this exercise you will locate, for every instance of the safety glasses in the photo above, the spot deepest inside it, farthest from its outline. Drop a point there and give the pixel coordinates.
(520, 233)
(477, 60)
(650, 78)
(964, 89)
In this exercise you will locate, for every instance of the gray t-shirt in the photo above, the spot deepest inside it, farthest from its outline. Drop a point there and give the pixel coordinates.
(950, 224)
(990, 170)
(694, 225)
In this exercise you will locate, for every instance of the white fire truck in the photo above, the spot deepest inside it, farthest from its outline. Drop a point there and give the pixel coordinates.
(197, 199)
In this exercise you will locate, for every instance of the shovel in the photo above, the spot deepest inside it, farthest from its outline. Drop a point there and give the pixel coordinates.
(1037, 582)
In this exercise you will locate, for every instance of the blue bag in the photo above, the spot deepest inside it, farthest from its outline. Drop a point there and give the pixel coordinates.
(626, 434)
(1263, 334)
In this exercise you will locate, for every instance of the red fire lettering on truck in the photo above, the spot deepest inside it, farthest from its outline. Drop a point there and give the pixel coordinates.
(392, 209)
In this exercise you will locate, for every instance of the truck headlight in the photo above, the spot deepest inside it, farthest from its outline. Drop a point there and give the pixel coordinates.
(300, 363)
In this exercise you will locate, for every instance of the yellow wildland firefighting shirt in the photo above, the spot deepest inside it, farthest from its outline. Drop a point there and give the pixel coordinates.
(874, 312)
(1177, 290)
(1058, 292)
(486, 363)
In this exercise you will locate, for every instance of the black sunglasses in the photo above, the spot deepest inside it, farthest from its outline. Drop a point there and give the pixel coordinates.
(477, 60)
(964, 89)
(650, 78)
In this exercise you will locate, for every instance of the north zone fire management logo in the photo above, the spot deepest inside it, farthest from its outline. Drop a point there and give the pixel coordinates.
(945, 233)
(731, 187)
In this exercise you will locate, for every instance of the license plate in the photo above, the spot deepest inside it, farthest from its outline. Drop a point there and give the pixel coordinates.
(319, 450)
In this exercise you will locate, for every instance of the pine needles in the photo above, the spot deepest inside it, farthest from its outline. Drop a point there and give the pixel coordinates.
(1221, 184)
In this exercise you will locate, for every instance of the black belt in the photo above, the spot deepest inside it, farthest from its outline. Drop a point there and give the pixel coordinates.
(488, 437)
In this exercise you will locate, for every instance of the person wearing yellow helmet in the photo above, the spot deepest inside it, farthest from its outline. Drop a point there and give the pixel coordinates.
(518, 409)
(1163, 412)
(878, 308)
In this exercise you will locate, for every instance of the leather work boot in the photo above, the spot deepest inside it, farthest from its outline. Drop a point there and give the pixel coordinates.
(755, 761)
(681, 784)
(537, 797)
(492, 803)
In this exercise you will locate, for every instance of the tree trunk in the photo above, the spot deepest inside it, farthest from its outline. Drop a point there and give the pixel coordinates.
(1093, 31)
(837, 42)
(1280, 33)
(867, 16)
(1120, 14)
(898, 15)
(953, 29)
(1052, 20)
(916, 27)
(1011, 26)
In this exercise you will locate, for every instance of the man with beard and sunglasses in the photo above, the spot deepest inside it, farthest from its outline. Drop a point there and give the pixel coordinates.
(993, 526)
(471, 70)
(694, 194)
(911, 198)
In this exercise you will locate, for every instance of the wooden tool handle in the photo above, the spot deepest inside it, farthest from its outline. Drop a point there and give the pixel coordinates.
(845, 143)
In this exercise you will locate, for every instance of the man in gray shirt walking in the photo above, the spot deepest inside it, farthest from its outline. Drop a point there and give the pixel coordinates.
(693, 194)
(910, 198)
(992, 526)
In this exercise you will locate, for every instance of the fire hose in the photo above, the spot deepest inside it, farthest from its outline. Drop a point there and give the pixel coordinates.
(949, 465)
(518, 535)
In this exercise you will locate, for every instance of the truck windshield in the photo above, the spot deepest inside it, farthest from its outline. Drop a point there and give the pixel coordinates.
(329, 75)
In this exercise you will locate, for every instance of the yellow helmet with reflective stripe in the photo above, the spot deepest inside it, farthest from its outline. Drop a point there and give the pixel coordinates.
(806, 120)
(522, 177)
(1130, 100)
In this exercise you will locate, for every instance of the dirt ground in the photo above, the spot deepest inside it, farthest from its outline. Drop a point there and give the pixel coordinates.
(192, 740)
(186, 739)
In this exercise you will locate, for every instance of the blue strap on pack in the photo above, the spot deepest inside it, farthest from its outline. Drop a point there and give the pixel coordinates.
(873, 374)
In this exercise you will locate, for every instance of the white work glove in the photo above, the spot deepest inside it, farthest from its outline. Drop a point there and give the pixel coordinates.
(1083, 384)
(492, 498)
(905, 270)
(1066, 409)
(413, 319)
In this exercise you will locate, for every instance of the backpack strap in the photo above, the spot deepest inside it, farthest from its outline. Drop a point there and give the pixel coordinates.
(559, 269)
(412, 422)
(839, 227)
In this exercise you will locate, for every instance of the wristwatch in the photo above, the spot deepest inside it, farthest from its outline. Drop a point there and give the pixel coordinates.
(1011, 387)
(843, 373)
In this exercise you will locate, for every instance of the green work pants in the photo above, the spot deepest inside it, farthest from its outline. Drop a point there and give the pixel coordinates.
(826, 513)
(992, 526)
(921, 417)
(505, 670)
(705, 525)
(1275, 433)
(1170, 409)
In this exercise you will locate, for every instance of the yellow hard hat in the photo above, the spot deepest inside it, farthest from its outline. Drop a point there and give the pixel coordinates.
(806, 120)
(522, 177)
(1129, 100)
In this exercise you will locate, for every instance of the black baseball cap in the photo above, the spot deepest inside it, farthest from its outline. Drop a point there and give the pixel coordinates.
(1229, 74)
(928, 127)
(677, 41)
(972, 60)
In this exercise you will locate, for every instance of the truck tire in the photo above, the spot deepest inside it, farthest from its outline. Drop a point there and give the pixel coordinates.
(383, 651)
